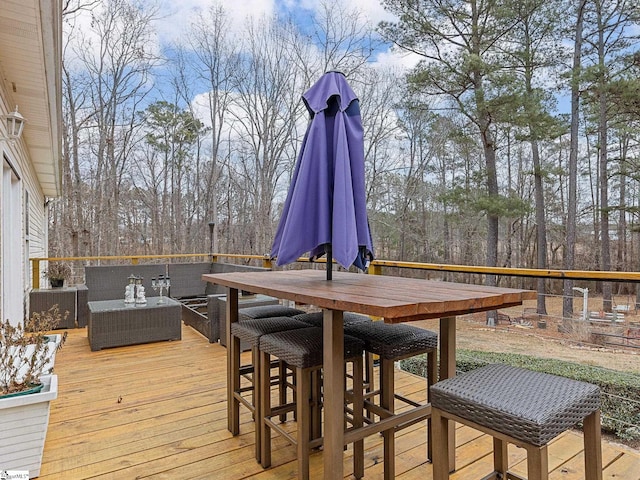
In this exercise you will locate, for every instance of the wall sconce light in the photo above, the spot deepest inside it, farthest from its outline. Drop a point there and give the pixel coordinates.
(15, 125)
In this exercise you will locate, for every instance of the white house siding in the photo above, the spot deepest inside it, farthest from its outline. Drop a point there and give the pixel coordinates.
(12, 271)
(30, 77)
(36, 233)
(16, 246)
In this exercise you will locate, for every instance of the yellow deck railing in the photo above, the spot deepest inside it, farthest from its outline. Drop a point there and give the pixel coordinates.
(375, 267)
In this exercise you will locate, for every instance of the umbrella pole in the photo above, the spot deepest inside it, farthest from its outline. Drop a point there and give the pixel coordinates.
(329, 262)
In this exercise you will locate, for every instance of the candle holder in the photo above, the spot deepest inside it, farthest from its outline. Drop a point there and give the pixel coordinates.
(161, 283)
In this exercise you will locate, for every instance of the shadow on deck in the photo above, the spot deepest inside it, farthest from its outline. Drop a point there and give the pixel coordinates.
(159, 411)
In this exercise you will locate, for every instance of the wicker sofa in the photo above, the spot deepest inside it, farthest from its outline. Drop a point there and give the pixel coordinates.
(203, 303)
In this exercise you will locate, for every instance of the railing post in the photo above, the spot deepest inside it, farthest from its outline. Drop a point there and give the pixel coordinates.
(35, 273)
(134, 260)
(266, 262)
(374, 269)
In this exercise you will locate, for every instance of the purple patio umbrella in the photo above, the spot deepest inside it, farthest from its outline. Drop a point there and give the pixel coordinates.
(325, 210)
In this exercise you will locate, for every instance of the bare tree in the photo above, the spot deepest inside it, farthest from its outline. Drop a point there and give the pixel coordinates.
(265, 113)
(414, 121)
(379, 93)
(117, 57)
(216, 56)
(71, 212)
(343, 37)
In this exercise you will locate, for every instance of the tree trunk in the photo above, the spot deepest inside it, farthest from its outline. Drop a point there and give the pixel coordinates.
(570, 243)
(603, 137)
(541, 227)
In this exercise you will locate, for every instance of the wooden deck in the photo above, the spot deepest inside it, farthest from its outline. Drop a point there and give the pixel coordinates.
(159, 411)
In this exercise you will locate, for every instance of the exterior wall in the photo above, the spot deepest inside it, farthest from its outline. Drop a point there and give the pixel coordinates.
(36, 230)
(30, 77)
(22, 210)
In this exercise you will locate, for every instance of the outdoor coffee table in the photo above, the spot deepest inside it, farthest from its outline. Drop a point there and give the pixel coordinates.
(112, 323)
(395, 299)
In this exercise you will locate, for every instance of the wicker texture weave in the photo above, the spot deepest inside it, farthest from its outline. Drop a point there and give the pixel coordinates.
(251, 330)
(111, 324)
(393, 342)
(349, 318)
(82, 313)
(302, 348)
(65, 298)
(530, 406)
(266, 311)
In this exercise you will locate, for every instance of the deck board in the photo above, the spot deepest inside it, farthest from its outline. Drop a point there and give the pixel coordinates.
(159, 411)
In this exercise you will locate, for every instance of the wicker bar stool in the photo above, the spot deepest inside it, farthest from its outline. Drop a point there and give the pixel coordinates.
(392, 343)
(266, 311)
(302, 349)
(263, 311)
(254, 322)
(348, 318)
(517, 406)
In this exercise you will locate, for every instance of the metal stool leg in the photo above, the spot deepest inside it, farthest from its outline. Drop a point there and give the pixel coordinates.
(432, 377)
(264, 409)
(441, 446)
(537, 463)
(358, 417)
(500, 456)
(233, 420)
(387, 396)
(592, 447)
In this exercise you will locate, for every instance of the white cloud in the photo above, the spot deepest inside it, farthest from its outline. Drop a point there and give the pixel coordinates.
(372, 10)
(397, 60)
(176, 17)
(372, 13)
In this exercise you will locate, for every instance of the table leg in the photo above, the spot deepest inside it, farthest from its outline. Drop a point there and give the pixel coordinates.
(333, 360)
(233, 363)
(448, 370)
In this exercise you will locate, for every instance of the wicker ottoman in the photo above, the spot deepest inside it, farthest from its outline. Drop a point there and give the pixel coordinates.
(250, 330)
(41, 300)
(112, 324)
(301, 349)
(392, 343)
(517, 406)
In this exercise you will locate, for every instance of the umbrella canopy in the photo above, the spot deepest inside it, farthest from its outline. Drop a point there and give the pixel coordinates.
(325, 210)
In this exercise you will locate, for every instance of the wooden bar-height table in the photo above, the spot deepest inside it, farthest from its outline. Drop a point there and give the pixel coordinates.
(395, 299)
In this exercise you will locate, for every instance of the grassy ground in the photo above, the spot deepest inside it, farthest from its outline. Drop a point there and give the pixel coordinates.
(576, 346)
(550, 342)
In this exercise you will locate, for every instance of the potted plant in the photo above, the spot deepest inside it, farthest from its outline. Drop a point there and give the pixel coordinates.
(57, 273)
(27, 386)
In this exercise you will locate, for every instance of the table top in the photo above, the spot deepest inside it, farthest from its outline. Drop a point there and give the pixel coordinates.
(117, 305)
(396, 299)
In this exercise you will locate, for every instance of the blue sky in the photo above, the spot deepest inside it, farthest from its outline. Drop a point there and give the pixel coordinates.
(177, 16)
(178, 13)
